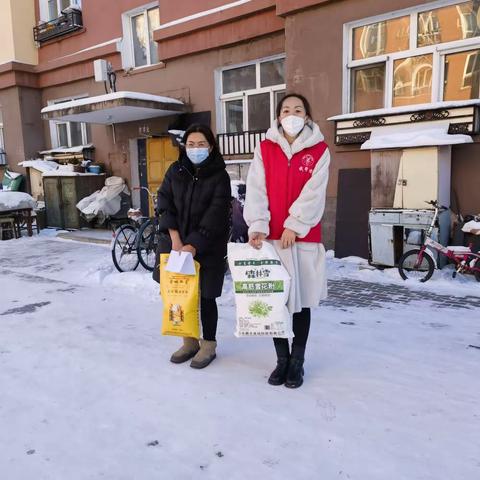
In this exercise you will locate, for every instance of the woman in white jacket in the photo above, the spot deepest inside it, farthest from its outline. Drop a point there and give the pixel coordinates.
(285, 200)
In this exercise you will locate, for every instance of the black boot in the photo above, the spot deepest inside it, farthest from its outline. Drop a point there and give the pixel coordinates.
(279, 375)
(295, 369)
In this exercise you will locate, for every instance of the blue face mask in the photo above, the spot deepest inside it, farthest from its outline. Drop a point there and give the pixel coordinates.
(198, 155)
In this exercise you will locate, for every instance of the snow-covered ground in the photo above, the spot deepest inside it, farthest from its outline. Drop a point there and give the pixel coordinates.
(87, 391)
(441, 281)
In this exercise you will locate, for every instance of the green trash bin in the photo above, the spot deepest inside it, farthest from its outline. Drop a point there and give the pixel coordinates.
(12, 181)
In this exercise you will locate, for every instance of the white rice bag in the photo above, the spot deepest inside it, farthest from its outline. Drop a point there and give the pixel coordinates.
(261, 285)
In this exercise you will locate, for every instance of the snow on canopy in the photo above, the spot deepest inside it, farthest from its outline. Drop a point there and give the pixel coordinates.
(40, 165)
(407, 136)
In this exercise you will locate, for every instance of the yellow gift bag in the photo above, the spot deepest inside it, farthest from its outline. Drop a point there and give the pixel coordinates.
(180, 296)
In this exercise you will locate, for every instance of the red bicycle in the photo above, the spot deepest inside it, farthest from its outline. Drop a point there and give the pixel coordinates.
(419, 263)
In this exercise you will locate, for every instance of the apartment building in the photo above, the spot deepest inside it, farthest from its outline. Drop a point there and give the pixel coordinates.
(366, 66)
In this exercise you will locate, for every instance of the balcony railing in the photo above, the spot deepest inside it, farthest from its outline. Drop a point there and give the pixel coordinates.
(3, 157)
(68, 22)
(241, 143)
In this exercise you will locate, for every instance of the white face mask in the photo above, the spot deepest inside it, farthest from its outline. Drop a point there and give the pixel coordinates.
(293, 125)
(198, 155)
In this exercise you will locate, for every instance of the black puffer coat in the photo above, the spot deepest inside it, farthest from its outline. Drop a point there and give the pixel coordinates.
(197, 203)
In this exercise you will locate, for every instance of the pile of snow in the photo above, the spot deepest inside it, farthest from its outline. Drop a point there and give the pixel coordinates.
(68, 173)
(441, 282)
(472, 227)
(77, 149)
(89, 392)
(13, 175)
(177, 136)
(237, 186)
(109, 97)
(15, 200)
(104, 202)
(43, 166)
(402, 137)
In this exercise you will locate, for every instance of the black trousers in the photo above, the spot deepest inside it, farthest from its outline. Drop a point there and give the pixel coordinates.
(209, 317)
(301, 328)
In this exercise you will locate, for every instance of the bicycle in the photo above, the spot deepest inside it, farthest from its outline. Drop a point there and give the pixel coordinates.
(419, 263)
(136, 242)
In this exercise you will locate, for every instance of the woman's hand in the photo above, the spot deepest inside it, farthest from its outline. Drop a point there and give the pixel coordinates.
(255, 239)
(288, 238)
(190, 248)
(177, 244)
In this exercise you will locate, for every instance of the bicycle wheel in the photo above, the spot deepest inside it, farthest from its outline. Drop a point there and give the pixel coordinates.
(147, 245)
(124, 250)
(416, 265)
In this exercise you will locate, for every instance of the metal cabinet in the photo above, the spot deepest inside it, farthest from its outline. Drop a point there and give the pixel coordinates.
(62, 193)
(393, 232)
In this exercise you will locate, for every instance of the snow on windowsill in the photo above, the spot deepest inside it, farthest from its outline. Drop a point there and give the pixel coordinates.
(128, 71)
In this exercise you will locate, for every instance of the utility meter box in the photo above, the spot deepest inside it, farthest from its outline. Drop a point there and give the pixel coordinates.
(100, 68)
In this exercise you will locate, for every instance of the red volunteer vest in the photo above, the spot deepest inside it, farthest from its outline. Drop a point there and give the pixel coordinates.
(285, 183)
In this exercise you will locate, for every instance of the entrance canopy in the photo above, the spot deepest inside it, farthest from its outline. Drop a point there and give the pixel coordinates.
(117, 107)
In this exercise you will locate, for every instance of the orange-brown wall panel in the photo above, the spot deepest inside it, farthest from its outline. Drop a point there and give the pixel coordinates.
(215, 18)
(73, 72)
(175, 9)
(286, 7)
(7, 79)
(248, 28)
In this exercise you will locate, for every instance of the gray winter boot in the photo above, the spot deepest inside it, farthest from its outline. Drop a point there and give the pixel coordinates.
(188, 350)
(205, 355)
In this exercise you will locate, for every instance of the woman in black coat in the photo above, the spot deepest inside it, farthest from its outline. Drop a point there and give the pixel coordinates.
(194, 204)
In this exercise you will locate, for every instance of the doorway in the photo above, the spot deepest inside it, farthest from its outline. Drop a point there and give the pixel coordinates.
(155, 155)
(353, 205)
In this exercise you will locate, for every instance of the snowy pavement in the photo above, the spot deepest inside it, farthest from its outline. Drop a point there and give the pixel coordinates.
(87, 392)
(347, 293)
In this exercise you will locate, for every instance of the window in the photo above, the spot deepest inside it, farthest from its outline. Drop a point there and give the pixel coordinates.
(51, 9)
(139, 48)
(381, 37)
(413, 56)
(462, 75)
(249, 94)
(446, 24)
(368, 87)
(68, 134)
(412, 80)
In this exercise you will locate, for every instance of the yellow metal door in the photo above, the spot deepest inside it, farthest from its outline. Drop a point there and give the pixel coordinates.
(161, 153)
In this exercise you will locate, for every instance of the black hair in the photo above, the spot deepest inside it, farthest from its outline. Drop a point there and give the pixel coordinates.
(205, 130)
(296, 95)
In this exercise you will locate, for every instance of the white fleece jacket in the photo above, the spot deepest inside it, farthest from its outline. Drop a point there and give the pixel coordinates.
(305, 261)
